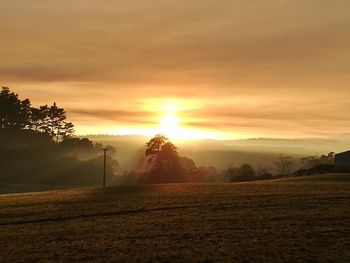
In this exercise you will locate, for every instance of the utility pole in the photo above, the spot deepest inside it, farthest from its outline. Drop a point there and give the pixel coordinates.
(104, 165)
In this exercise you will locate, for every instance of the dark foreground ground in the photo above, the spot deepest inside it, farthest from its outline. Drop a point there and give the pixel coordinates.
(298, 220)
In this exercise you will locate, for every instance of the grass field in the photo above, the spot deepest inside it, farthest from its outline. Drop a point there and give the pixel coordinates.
(296, 220)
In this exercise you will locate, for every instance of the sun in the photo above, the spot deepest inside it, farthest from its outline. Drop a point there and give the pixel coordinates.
(172, 119)
(169, 125)
(169, 121)
(173, 125)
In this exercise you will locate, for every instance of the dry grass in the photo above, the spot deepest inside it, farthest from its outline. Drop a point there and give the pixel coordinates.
(273, 221)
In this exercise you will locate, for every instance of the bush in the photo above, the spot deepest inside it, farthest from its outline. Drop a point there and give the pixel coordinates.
(244, 173)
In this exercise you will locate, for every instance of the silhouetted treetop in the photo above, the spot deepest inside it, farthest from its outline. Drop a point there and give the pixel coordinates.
(284, 165)
(166, 164)
(18, 114)
(155, 144)
(14, 113)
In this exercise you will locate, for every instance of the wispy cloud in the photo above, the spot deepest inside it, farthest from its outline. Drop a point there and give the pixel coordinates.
(291, 55)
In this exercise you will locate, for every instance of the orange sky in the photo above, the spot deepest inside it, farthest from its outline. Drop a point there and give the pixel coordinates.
(232, 69)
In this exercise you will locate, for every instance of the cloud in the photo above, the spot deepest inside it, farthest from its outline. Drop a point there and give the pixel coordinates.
(117, 116)
(112, 54)
(165, 42)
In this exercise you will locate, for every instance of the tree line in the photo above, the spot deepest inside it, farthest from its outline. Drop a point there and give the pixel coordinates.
(17, 114)
(165, 165)
(37, 146)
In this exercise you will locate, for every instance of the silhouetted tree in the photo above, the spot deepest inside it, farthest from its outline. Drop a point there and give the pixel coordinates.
(166, 165)
(14, 113)
(18, 114)
(190, 169)
(112, 150)
(243, 173)
(39, 119)
(231, 172)
(57, 125)
(79, 146)
(246, 171)
(154, 146)
(284, 165)
(313, 161)
(28, 153)
(67, 130)
(35, 120)
(161, 152)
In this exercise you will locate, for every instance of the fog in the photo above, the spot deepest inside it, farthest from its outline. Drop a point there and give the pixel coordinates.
(221, 154)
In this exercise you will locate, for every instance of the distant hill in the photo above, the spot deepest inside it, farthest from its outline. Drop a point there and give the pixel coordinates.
(257, 151)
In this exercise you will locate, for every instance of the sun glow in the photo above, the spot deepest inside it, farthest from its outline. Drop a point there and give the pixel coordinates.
(169, 119)
(170, 126)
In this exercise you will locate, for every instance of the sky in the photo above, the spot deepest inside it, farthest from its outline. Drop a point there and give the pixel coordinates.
(214, 68)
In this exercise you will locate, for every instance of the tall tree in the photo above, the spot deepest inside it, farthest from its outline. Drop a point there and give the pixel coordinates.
(39, 119)
(165, 161)
(14, 113)
(67, 130)
(18, 114)
(35, 119)
(161, 152)
(56, 122)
